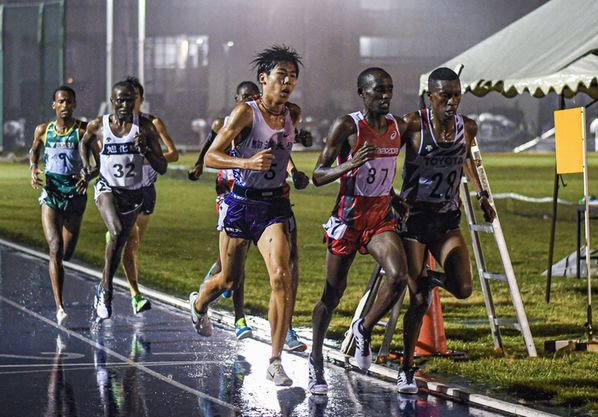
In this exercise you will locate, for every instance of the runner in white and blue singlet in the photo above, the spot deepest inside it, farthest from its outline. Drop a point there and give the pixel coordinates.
(119, 142)
(257, 210)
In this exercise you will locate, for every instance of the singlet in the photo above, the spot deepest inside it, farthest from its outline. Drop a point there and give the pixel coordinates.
(61, 151)
(434, 176)
(61, 158)
(364, 194)
(121, 164)
(263, 137)
(150, 175)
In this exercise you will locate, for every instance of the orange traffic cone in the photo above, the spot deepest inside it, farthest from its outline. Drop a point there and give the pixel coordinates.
(432, 340)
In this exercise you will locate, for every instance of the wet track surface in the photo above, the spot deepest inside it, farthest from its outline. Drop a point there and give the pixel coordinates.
(154, 364)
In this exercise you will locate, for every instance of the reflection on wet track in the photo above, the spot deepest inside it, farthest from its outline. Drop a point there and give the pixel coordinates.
(155, 364)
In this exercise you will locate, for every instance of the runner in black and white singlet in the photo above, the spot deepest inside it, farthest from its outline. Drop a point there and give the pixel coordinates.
(62, 201)
(150, 176)
(438, 151)
(119, 142)
(257, 210)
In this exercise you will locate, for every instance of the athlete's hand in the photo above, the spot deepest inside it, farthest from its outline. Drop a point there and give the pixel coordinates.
(83, 180)
(305, 138)
(36, 181)
(261, 161)
(401, 207)
(194, 173)
(300, 180)
(489, 213)
(141, 144)
(366, 153)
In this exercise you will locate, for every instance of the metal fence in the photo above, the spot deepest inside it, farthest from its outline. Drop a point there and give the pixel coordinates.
(31, 66)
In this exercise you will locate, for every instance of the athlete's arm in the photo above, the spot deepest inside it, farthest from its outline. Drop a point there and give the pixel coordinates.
(302, 136)
(148, 142)
(409, 135)
(240, 119)
(300, 180)
(195, 172)
(89, 145)
(35, 152)
(171, 154)
(470, 169)
(339, 133)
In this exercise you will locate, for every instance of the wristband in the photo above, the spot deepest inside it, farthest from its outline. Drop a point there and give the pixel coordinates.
(482, 194)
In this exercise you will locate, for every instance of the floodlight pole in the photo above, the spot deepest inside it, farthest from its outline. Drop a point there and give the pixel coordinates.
(109, 52)
(555, 197)
(141, 41)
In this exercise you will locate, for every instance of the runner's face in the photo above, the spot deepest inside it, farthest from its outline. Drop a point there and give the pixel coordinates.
(377, 94)
(246, 94)
(281, 81)
(64, 105)
(445, 98)
(123, 100)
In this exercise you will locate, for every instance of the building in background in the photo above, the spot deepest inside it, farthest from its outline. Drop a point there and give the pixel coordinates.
(196, 51)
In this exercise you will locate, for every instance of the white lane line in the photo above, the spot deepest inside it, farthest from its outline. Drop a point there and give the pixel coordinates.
(109, 364)
(117, 355)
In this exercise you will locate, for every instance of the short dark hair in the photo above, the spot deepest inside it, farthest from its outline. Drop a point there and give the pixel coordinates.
(123, 84)
(266, 60)
(134, 81)
(441, 74)
(250, 85)
(64, 88)
(364, 76)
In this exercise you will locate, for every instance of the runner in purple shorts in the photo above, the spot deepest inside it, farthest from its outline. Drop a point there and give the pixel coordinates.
(256, 209)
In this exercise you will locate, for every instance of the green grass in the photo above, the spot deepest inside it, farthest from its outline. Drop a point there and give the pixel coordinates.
(181, 244)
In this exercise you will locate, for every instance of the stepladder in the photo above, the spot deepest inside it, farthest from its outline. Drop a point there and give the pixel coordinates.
(494, 230)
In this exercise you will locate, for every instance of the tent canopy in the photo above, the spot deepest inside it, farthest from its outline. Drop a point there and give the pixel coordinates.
(552, 49)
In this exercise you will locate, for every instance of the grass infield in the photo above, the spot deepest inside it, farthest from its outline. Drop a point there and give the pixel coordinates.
(181, 244)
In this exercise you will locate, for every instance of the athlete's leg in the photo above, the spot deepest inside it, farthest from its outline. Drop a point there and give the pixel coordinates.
(387, 250)
(52, 223)
(419, 298)
(451, 252)
(274, 246)
(294, 265)
(233, 252)
(119, 228)
(70, 233)
(337, 269)
(130, 258)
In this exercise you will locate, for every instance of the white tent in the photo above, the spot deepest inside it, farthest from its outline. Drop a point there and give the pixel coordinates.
(552, 49)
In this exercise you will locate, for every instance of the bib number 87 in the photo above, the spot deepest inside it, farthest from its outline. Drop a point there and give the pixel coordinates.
(372, 172)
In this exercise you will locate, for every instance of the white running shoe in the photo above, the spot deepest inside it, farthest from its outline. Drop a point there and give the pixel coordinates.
(61, 316)
(201, 322)
(277, 374)
(406, 381)
(102, 302)
(363, 352)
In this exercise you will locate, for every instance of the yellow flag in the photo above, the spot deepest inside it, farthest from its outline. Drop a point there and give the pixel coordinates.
(569, 134)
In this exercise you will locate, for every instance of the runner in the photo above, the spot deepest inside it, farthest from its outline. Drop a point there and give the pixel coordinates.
(438, 148)
(366, 144)
(247, 91)
(62, 201)
(119, 142)
(256, 209)
(150, 176)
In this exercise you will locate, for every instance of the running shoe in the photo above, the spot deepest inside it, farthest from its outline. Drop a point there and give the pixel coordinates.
(406, 381)
(61, 316)
(292, 343)
(226, 294)
(242, 330)
(363, 352)
(277, 374)
(317, 384)
(102, 302)
(201, 321)
(107, 237)
(140, 304)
